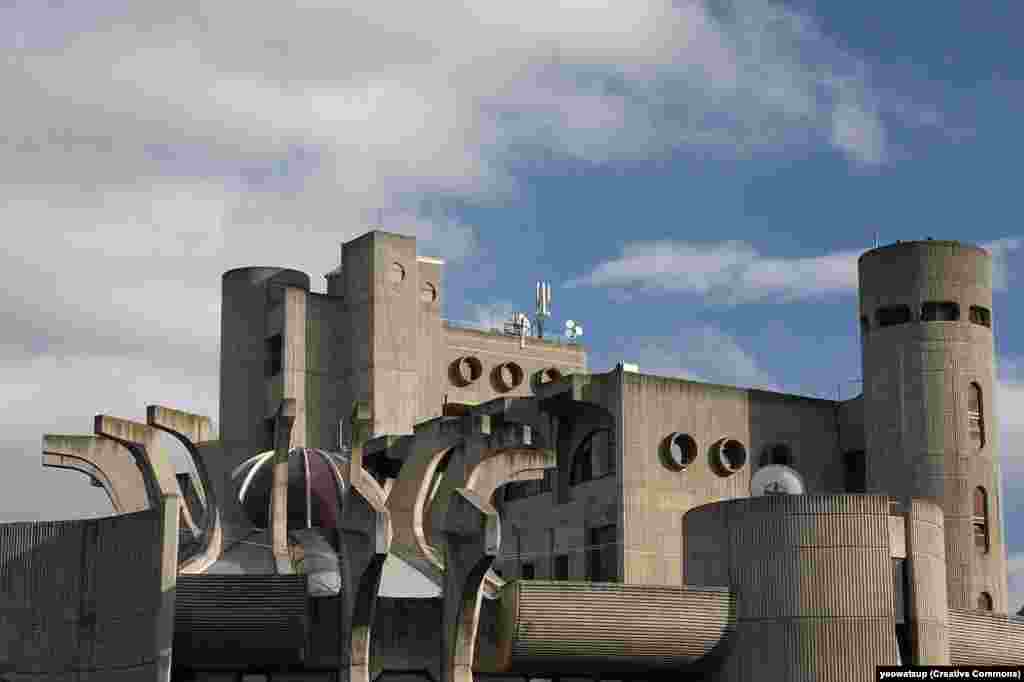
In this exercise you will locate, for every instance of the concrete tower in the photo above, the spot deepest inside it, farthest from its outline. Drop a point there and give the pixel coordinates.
(931, 426)
(253, 355)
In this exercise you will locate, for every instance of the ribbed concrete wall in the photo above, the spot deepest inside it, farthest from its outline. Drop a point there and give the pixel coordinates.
(927, 612)
(79, 599)
(916, 381)
(813, 581)
(977, 638)
(608, 628)
(232, 618)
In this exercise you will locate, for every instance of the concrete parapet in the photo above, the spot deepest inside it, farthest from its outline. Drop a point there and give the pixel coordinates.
(84, 600)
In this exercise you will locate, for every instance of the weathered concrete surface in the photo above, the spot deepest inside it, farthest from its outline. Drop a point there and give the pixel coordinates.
(917, 376)
(810, 573)
(141, 441)
(84, 600)
(192, 431)
(283, 423)
(472, 534)
(102, 460)
(365, 534)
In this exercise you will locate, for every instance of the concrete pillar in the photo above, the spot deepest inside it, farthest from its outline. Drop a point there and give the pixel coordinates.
(472, 533)
(365, 535)
(283, 423)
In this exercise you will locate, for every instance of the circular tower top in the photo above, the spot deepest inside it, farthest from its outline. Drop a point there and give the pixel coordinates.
(917, 273)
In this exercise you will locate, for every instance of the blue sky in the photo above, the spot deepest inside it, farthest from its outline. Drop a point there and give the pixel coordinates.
(695, 179)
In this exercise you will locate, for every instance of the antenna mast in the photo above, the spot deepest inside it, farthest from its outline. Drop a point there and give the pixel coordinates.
(543, 306)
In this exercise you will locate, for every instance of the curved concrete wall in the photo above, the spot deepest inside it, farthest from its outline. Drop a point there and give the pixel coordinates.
(605, 628)
(80, 599)
(916, 381)
(811, 575)
(977, 638)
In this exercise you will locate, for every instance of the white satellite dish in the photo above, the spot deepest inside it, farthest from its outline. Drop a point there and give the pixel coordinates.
(776, 479)
(573, 330)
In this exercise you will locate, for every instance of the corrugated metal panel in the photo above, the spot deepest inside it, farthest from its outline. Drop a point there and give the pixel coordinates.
(615, 627)
(232, 618)
(978, 638)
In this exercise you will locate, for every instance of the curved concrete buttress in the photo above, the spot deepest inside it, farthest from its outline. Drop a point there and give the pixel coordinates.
(141, 441)
(190, 430)
(409, 496)
(483, 464)
(472, 533)
(365, 534)
(103, 460)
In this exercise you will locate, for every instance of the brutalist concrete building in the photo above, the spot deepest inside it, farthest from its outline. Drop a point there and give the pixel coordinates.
(574, 525)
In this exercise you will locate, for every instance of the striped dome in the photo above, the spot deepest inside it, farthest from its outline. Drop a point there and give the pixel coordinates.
(315, 488)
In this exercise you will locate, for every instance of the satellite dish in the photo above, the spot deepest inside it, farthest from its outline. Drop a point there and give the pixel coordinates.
(776, 479)
(569, 324)
(573, 330)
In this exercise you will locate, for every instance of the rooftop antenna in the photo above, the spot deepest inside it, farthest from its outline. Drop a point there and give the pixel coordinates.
(876, 239)
(543, 306)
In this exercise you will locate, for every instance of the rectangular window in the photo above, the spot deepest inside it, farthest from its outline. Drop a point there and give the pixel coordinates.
(855, 473)
(268, 433)
(561, 567)
(981, 316)
(940, 311)
(275, 348)
(975, 417)
(583, 464)
(896, 314)
(527, 572)
(601, 554)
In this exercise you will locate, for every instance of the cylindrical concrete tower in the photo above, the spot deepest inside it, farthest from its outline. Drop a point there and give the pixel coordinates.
(251, 298)
(930, 421)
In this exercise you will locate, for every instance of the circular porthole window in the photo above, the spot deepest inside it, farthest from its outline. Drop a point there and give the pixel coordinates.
(466, 370)
(728, 456)
(428, 293)
(546, 376)
(397, 273)
(678, 451)
(507, 375)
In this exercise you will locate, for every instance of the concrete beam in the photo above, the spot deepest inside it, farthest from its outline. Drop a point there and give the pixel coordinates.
(101, 460)
(191, 430)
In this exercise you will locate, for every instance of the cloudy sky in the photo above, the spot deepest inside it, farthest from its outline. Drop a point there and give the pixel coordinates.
(696, 179)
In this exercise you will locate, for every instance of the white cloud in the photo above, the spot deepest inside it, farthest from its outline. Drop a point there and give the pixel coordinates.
(727, 272)
(734, 272)
(702, 353)
(1015, 572)
(1000, 250)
